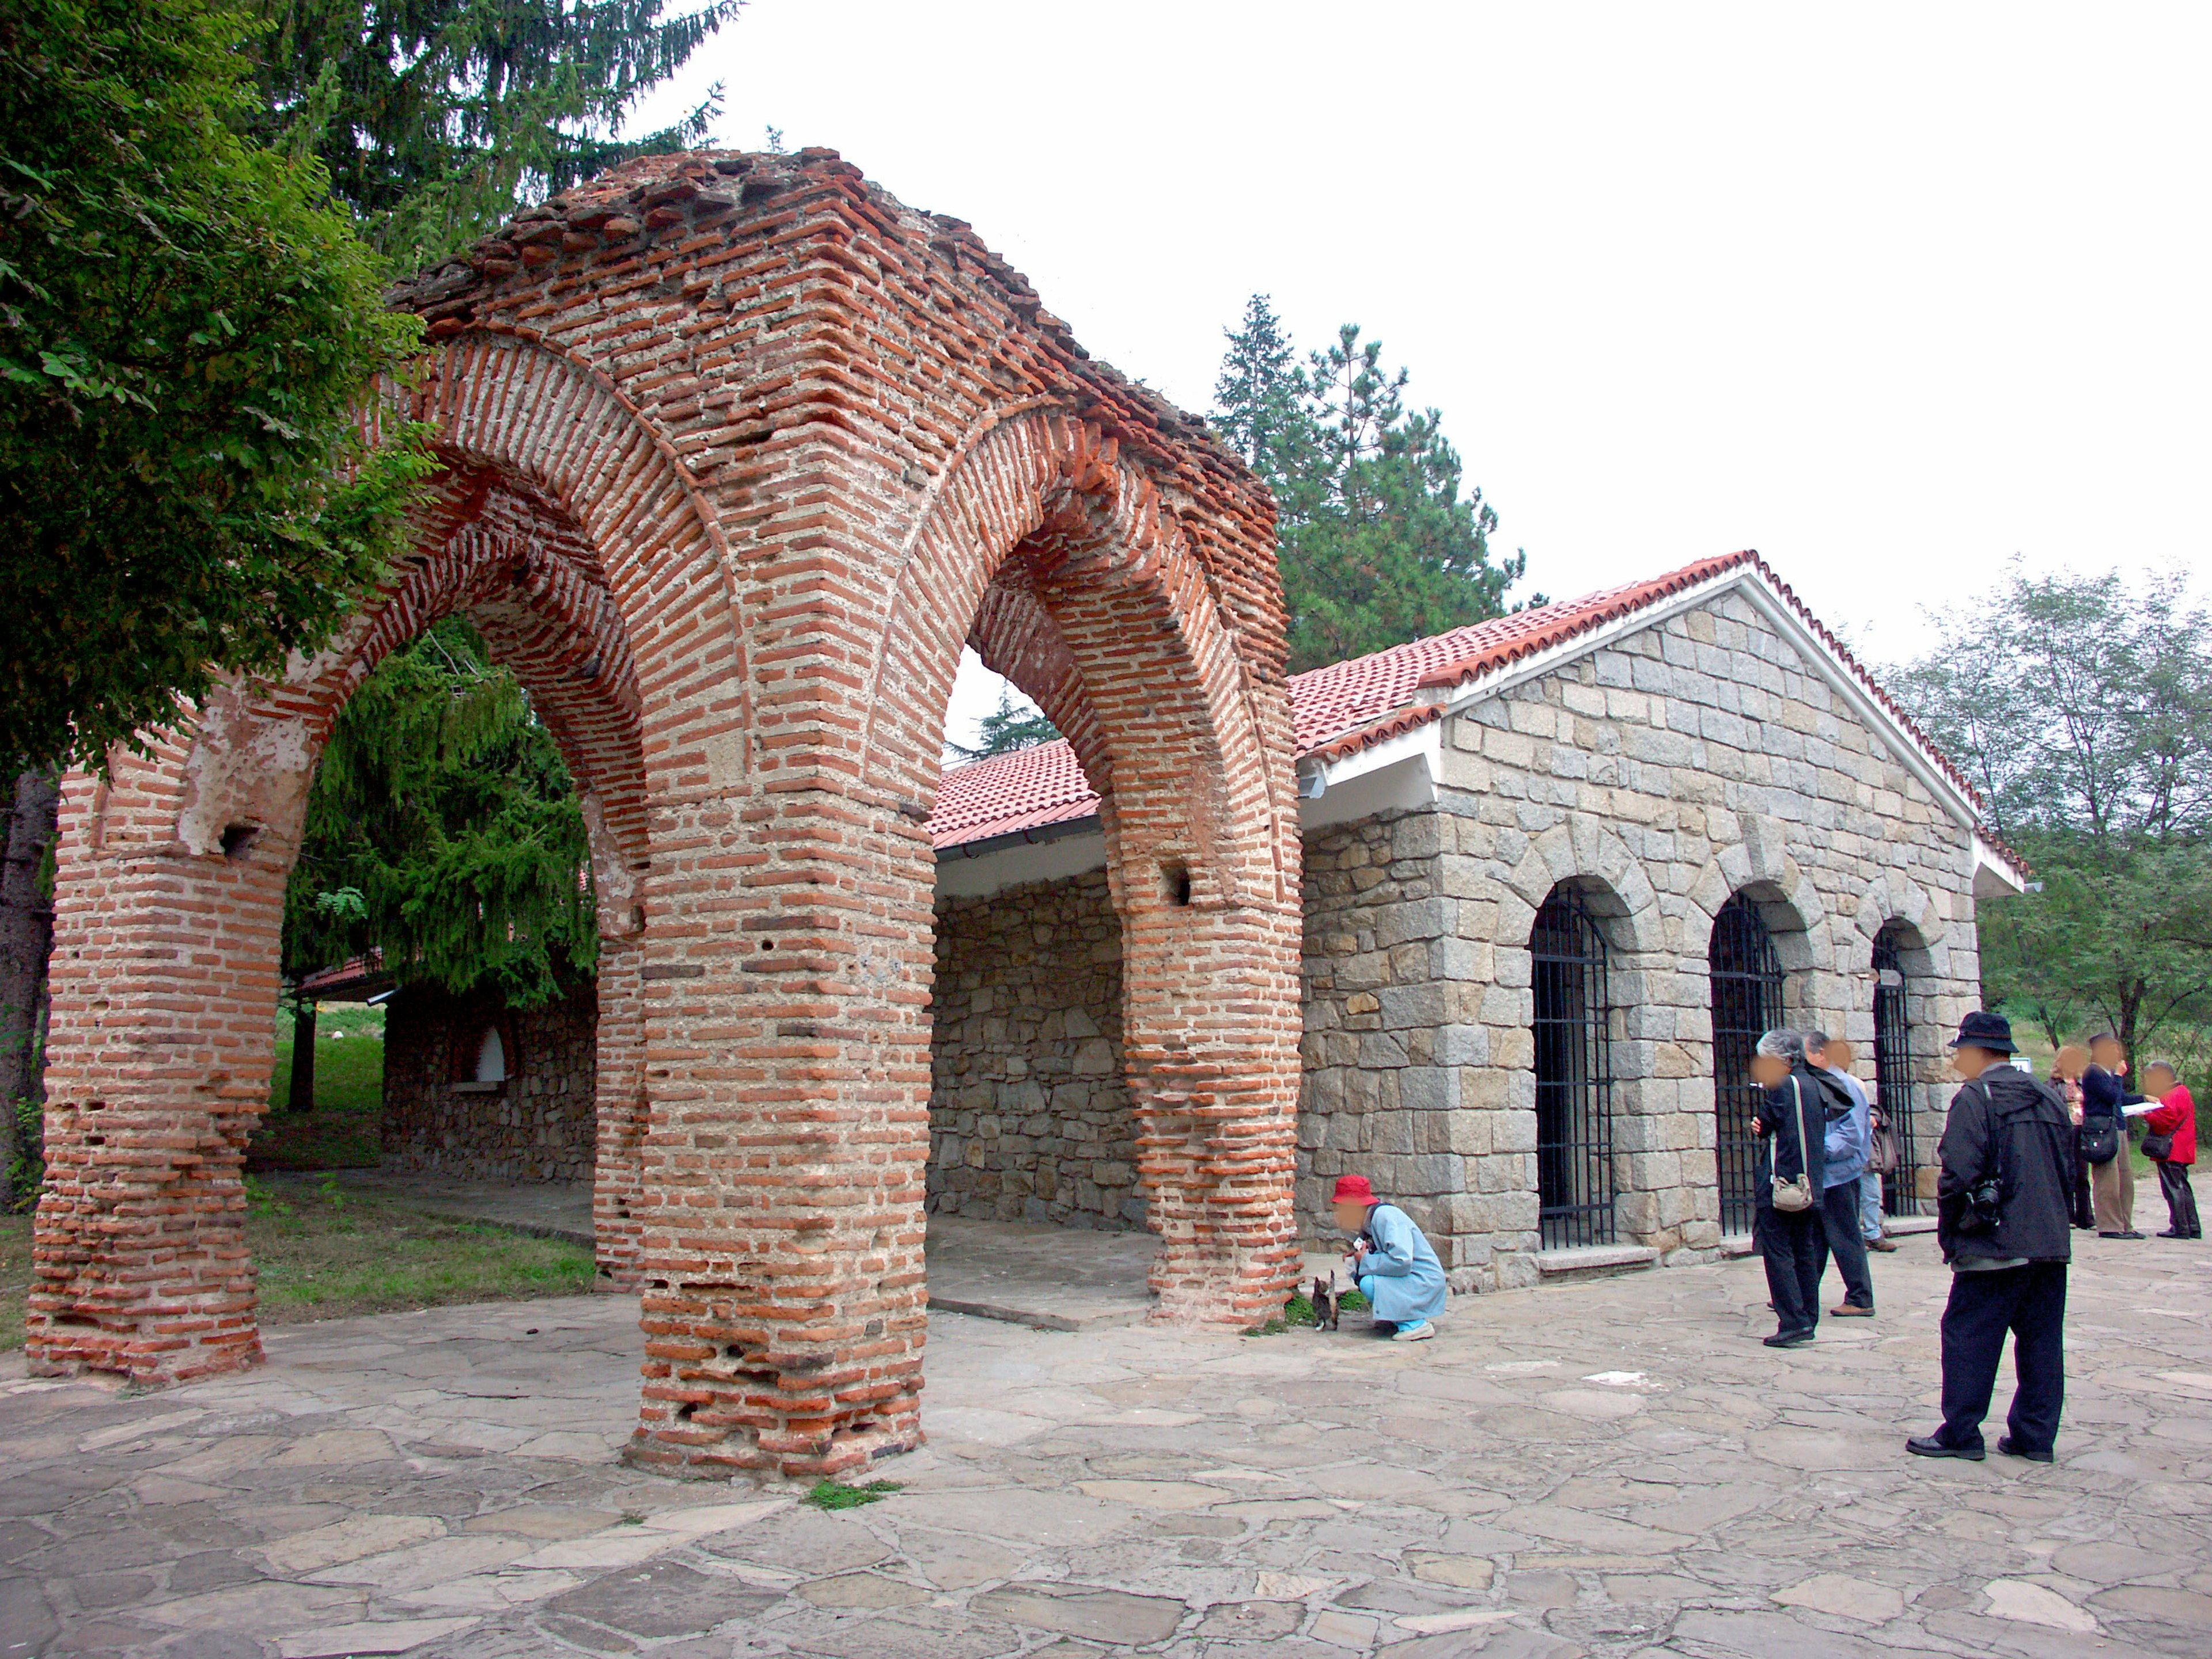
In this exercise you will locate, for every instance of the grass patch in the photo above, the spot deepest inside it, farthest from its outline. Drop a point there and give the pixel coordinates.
(1299, 1310)
(327, 1255)
(14, 1278)
(828, 1495)
(344, 1130)
(1353, 1302)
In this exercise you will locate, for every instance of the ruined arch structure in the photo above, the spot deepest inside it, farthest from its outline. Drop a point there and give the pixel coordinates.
(740, 453)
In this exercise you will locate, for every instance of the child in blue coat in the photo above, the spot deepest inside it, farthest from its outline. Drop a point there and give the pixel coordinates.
(1393, 1265)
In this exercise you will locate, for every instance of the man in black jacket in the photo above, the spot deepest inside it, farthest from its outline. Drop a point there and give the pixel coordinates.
(2003, 1218)
(1792, 1125)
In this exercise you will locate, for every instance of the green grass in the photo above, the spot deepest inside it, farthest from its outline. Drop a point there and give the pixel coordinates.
(828, 1495)
(342, 1132)
(329, 1254)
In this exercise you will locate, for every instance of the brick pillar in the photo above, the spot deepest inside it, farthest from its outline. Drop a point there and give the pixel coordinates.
(165, 985)
(1210, 1028)
(617, 1175)
(785, 985)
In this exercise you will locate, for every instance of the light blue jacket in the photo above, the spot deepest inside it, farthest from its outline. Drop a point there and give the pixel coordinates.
(1850, 1140)
(1400, 1273)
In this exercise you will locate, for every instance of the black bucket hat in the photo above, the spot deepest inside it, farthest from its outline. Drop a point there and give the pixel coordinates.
(1980, 1030)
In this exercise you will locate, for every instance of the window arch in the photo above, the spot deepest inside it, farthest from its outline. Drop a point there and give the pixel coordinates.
(1747, 998)
(1572, 1028)
(1892, 1064)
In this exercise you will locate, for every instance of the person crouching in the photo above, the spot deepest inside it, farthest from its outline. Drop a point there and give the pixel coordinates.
(1390, 1261)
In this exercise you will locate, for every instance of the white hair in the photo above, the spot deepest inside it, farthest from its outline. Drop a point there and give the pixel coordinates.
(1783, 1043)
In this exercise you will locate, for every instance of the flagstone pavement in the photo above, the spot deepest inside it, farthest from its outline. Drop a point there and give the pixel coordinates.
(1609, 1468)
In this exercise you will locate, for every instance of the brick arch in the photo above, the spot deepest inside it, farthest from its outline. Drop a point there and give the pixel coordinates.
(729, 376)
(508, 402)
(1064, 563)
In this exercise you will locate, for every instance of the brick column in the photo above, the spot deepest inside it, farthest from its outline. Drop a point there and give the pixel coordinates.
(617, 1175)
(165, 984)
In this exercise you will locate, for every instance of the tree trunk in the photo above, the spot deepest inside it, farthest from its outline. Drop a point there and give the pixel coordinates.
(27, 930)
(302, 1096)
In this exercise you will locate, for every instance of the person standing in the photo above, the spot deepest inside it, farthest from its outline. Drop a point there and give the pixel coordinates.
(2002, 1221)
(1393, 1265)
(1841, 1057)
(1791, 1235)
(2067, 1068)
(2112, 1180)
(1845, 1147)
(2171, 1125)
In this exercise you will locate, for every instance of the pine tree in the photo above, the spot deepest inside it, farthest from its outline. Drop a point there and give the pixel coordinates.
(1376, 541)
(435, 118)
(1010, 727)
(443, 829)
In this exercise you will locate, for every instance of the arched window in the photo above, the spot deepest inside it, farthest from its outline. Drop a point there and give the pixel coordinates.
(1747, 986)
(1574, 1074)
(1893, 1067)
(492, 1057)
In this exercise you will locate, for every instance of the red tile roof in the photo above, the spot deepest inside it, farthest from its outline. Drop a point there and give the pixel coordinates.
(1346, 706)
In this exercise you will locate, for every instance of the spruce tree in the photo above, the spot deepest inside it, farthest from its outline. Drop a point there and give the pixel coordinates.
(1009, 726)
(1379, 539)
(435, 118)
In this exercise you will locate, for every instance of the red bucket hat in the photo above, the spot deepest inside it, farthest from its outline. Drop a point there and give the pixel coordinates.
(1352, 1189)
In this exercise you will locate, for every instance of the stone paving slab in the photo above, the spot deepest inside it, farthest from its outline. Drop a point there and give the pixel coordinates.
(1613, 1468)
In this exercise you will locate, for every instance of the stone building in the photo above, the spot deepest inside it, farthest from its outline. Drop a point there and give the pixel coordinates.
(1560, 870)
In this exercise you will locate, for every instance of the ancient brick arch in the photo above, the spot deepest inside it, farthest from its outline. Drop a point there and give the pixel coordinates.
(749, 436)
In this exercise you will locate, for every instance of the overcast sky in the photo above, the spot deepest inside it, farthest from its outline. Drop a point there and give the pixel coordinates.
(1891, 293)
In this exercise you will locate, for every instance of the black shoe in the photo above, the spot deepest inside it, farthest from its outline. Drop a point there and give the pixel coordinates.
(2127, 1235)
(1788, 1338)
(1929, 1446)
(2170, 1233)
(2006, 1446)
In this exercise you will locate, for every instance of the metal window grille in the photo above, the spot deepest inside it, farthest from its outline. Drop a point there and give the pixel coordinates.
(1892, 1071)
(1574, 1075)
(1747, 986)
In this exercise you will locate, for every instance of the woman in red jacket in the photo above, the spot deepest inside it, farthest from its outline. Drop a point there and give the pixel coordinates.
(2175, 1115)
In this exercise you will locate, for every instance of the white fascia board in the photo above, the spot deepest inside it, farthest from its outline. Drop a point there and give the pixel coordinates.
(1995, 876)
(1399, 773)
(1053, 859)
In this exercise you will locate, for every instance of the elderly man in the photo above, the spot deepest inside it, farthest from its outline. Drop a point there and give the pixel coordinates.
(1792, 1128)
(2003, 1220)
(1849, 1144)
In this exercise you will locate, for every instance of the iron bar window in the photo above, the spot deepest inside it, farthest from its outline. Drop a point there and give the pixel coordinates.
(1747, 989)
(1574, 1074)
(1892, 1071)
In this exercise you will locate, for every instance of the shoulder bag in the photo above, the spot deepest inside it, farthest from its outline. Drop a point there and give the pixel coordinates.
(2157, 1147)
(2100, 1138)
(1798, 1194)
(1884, 1155)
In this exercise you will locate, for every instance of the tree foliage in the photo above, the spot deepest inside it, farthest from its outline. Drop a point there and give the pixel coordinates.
(443, 829)
(2083, 709)
(185, 332)
(1012, 724)
(1379, 540)
(435, 118)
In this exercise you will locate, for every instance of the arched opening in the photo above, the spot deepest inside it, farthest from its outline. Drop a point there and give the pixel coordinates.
(1892, 1062)
(1747, 999)
(1572, 1028)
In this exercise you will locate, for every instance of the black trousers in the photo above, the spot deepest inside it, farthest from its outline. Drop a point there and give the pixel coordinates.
(1839, 1221)
(2085, 1214)
(1793, 1244)
(2030, 1302)
(2180, 1201)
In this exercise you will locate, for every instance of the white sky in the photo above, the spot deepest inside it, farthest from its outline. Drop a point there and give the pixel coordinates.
(1888, 292)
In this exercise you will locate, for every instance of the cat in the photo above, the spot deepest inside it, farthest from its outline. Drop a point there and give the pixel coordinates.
(1324, 1304)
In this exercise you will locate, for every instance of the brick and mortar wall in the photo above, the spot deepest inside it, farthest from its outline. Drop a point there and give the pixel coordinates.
(539, 1124)
(1029, 1114)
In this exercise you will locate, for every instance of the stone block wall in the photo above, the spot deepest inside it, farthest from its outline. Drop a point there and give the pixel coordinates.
(1694, 759)
(1030, 1117)
(539, 1124)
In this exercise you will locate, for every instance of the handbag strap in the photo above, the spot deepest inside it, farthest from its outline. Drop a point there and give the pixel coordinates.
(1804, 1152)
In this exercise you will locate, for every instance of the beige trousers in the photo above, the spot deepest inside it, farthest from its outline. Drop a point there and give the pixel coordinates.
(2112, 1191)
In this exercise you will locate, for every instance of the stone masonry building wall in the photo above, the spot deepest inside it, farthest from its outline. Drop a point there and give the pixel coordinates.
(538, 1124)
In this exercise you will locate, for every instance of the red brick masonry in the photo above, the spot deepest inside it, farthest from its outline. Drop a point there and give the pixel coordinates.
(741, 452)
